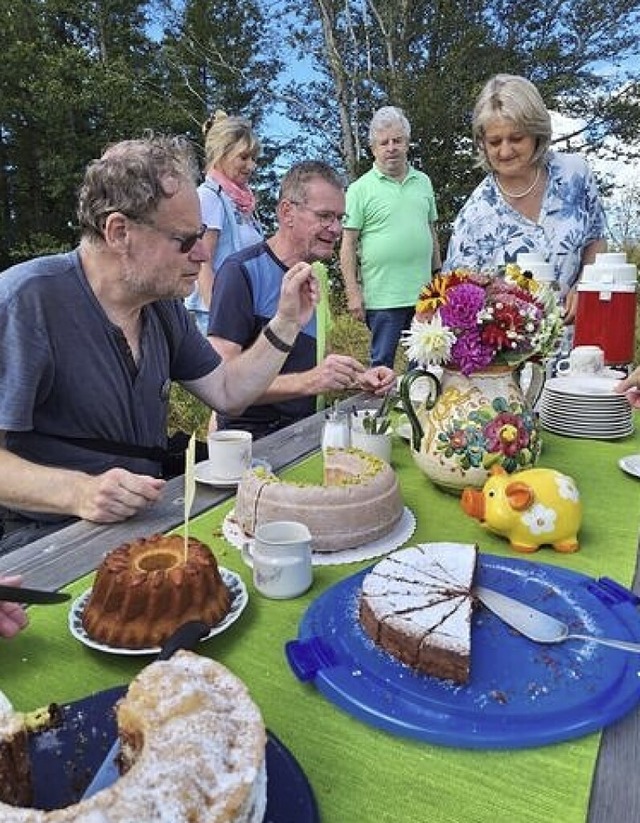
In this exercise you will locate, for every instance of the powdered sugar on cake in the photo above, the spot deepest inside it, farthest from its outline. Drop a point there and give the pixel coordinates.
(416, 604)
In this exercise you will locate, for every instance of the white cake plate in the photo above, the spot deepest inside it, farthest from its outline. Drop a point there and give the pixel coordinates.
(399, 535)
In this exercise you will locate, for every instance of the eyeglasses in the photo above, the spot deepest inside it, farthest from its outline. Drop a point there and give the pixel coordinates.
(325, 218)
(187, 242)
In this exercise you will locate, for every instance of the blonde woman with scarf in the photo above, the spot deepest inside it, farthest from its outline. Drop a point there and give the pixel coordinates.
(226, 201)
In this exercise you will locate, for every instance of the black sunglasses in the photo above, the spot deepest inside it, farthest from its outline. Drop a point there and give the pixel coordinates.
(187, 242)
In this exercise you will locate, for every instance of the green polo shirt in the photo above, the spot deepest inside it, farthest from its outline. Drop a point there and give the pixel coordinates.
(395, 236)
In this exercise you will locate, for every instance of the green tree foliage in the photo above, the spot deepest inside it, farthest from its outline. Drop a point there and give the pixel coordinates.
(433, 58)
(79, 74)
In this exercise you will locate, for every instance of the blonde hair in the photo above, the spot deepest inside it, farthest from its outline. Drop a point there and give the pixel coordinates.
(222, 134)
(517, 99)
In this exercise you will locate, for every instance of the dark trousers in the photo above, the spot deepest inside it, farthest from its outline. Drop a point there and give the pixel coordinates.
(16, 530)
(386, 326)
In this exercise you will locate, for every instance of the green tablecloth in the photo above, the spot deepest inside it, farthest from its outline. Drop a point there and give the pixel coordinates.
(359, 773)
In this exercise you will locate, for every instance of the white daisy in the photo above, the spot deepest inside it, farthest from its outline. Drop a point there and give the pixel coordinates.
(428, 342)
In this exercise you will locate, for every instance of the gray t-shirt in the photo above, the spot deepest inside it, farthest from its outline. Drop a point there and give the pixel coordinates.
(66, 370)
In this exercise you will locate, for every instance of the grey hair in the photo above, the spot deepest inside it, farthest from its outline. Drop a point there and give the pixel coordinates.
(517, 99)
(294, 184)
(132, 177)
(386, 118)
(222, 134)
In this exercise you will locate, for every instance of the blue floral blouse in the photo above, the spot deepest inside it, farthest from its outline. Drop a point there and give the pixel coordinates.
(488, 232)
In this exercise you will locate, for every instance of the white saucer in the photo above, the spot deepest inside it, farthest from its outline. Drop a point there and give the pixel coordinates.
(203, 474)
(403, 430)
(612, 374)
(630, 464)
(584, 386)
(239, 599)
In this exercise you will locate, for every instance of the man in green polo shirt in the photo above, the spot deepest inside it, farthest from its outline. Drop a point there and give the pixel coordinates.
(389, 243)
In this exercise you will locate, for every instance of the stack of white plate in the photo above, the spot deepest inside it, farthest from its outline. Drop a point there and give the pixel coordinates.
(585, 407)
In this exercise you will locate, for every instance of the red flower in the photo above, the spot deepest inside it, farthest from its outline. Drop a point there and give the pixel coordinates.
(506, 434)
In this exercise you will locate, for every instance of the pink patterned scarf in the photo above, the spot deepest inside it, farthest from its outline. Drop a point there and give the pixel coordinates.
(242, 196)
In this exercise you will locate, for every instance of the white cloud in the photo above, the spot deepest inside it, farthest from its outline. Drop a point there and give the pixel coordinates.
(605, 162)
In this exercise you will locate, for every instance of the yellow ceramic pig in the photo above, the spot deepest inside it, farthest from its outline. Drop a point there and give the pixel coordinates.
(531, 508)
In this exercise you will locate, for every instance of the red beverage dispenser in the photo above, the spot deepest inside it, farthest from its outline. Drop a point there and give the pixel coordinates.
(606, 314)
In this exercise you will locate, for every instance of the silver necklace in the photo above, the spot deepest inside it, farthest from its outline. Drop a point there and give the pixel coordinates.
(520, 194)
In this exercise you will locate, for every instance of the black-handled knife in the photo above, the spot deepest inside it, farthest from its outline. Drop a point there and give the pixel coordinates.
(19, 594)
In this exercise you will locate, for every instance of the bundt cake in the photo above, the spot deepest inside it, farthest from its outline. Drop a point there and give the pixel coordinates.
(15, 776)
(193, 751)
(416, 604)
(359, 501)
(144, 590)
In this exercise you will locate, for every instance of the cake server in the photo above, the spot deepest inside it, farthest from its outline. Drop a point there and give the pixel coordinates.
(19, 594)
(536, 625)
(186, 637)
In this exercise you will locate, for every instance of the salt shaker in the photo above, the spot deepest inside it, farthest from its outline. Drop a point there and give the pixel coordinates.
(336, 433)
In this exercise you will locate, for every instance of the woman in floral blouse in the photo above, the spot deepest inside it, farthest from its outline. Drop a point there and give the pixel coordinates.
(532, 199)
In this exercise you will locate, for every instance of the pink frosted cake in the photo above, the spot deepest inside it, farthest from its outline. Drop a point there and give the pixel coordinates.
(359, 501)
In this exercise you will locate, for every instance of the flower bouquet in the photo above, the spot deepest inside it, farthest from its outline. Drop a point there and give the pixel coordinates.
(468, 320)
(480, 327)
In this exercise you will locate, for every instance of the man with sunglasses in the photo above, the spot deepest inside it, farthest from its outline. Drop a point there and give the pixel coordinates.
(91, 340)
(310, 212)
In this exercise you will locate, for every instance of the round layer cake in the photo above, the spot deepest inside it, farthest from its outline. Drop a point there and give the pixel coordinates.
(358, 502)
(144, 590)
(416, 604)
(193, 749)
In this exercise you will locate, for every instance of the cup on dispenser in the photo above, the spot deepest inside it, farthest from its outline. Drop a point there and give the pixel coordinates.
(535, 263)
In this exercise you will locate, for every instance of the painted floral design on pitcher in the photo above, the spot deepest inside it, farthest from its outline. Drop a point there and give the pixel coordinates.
(471, 424)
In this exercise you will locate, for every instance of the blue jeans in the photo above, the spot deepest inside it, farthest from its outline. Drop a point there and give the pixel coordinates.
(386, 326)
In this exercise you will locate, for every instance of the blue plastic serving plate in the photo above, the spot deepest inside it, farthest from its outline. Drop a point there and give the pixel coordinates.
(520, 694)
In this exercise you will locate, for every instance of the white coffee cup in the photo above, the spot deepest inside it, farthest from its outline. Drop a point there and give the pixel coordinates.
(281, 559)
(229, 453)
(583, 360)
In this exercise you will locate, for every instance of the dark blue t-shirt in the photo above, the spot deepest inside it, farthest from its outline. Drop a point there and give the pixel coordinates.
(66, 370)
(245, 297)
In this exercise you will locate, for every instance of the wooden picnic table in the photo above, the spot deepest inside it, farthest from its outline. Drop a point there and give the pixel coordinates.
(55, 561)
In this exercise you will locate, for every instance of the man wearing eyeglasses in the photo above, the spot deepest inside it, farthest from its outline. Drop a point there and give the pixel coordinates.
(310, 213)
(90, 341)
(390, 246)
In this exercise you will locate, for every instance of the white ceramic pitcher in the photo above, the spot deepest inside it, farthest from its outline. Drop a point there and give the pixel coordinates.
(281, 559)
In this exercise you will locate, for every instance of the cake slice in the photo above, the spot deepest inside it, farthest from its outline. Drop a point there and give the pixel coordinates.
(15, 773)
(416, 604)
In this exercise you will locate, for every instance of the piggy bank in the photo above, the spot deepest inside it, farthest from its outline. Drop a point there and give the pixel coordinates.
(531, 508)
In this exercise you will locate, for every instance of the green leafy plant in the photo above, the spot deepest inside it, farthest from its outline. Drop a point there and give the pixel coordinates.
(380, 422)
